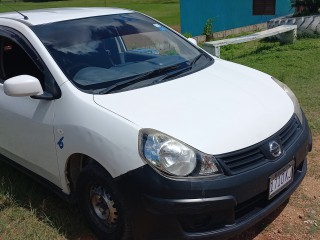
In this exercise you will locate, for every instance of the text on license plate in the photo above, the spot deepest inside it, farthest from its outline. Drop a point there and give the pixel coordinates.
(281, 179)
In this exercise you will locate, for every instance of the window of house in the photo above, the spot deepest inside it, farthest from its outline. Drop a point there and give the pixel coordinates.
(264, 7)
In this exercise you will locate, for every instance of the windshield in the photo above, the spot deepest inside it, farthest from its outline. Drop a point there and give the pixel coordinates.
(119, 52)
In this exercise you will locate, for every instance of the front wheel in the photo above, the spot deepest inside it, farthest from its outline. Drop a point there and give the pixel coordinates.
(102, 204)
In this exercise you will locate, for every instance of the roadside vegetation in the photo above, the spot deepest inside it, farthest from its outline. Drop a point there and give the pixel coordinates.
(29, 211)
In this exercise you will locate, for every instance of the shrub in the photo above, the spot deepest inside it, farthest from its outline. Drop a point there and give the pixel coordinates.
(187, 35)
(208, 29)
(305, 7)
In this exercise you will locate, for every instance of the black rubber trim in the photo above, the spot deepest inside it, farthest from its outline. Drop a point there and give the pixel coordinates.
(190, 206)
(229, 231)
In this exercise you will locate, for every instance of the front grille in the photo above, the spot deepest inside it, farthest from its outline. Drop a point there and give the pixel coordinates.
(288, 134)
(252, 157)
(240, 161)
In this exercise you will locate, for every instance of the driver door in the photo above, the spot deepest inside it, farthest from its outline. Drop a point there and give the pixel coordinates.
(26, 124)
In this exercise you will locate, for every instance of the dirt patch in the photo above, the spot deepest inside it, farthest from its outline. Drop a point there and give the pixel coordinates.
(299, 218)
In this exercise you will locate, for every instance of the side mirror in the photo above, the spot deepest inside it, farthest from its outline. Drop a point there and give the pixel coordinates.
(193, 41)
(22, 86)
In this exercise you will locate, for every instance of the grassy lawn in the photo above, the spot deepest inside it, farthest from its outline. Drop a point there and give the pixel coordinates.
(296, 65)
(29, 211)
(167, 11)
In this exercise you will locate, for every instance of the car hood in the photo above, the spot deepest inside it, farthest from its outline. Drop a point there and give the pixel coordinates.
(220, 109)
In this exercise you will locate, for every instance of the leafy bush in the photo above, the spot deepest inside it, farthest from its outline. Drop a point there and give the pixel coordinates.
(208, 29)
(187, 35)
(305, 7)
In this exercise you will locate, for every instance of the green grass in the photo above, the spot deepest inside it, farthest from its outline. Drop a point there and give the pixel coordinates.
(29, 211)
(296, 65)
(167, 11)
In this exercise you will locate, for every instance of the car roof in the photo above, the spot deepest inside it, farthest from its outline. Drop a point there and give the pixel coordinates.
(50, 15)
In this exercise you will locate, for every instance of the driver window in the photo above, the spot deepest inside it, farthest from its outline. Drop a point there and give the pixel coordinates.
(15, 61)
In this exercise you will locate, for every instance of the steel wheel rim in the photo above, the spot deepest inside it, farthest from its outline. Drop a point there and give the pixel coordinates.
(103, 206)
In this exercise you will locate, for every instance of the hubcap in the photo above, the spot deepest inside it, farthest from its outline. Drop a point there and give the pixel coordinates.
(103, 205)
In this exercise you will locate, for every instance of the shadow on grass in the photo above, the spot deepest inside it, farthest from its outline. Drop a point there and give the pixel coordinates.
(65, 218)
(17, 190)
(262, 49)
(255, 230)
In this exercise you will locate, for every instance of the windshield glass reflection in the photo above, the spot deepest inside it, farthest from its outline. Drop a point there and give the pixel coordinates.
(99, 52)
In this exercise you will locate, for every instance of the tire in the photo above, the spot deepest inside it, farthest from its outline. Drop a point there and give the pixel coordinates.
(102, 204)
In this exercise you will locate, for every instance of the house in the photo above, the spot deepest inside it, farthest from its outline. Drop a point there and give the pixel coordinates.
(229, 14)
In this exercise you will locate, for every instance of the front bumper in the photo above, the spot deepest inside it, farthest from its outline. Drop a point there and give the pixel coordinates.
(212, 207)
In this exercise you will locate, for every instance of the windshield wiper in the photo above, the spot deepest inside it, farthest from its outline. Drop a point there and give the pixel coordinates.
(142, 77)
(124, 83)
(191, 66)
(172, 74)
(195, 60)
(173, 70)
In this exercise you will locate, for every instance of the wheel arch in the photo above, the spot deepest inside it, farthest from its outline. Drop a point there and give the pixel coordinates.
(74, 165)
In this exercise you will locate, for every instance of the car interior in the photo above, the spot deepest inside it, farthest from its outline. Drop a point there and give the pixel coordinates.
(15, 61)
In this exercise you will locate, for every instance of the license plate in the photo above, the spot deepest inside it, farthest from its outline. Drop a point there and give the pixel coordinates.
(281, 179)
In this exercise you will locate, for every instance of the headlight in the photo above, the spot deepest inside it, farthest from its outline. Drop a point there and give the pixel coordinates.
(297, 108)
(173, 157)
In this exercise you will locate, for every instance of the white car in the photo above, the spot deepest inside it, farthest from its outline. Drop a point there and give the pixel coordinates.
(153, 137)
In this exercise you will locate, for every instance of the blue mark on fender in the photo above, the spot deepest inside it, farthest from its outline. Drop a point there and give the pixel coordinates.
(60, 143)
